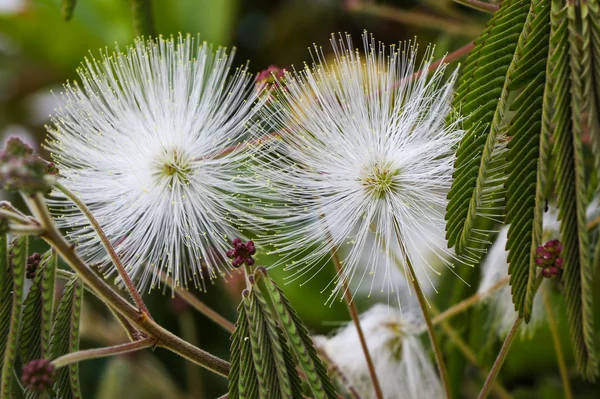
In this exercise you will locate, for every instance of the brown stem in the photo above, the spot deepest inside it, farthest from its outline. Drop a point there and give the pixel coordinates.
(96, 353)
(356, 319)
(564, 374)
(410, 17)
(164, 338)
(479, 5)
(468, 302)
(135, 295)
(468, 353)
(500, 359)
(199, 305)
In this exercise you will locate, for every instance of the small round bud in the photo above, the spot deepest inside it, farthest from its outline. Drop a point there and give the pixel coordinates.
(38, 375)
(33, 262)
(238, 261)
(249, 261)
(231, 253)
(245, 293)
(236, 241)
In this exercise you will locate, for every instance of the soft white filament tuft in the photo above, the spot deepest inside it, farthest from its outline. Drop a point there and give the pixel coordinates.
(400, 361)
(145, 142)
(362, 165)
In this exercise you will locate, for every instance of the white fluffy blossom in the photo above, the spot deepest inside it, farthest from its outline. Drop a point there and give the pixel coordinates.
(363, 163)
(401, 363)
(145, 140)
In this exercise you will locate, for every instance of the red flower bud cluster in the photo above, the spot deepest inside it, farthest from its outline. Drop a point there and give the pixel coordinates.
(241, 253)
(21, 170)
(269, 76)
(33, 262)
(38, 375)
(548, 258)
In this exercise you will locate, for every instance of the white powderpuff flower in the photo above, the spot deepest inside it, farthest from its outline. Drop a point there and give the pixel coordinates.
(145, 141)
(362, 164)
(401, 363)
(495, 269)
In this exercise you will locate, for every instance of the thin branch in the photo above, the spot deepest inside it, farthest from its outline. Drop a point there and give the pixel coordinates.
(356, 319)
(199, 305)
(135, 295)
(564, 374)
(468, 302)
(500, 359)
(468, 353)
(479, 5)
(142, 17)
(15, 217)
(437, 350)
(164, 338)
(96, 353)
(416, 18)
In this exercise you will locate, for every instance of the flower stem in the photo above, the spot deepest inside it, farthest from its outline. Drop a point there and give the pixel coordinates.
(199, 305)
(500, 359)
(437, 350)
(468, 353)
(468, 302)
(479, 5)
(356, 319)
(164, 338)
(416, 18)
(96, 353)
(564, 374)
(135, 295)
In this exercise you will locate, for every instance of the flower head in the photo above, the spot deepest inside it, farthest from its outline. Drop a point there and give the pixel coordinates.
(38, 375)
(363, 163)
(241, 252)
(400, 361)
(147, 141)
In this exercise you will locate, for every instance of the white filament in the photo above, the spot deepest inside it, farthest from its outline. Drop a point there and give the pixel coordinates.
(140, 142)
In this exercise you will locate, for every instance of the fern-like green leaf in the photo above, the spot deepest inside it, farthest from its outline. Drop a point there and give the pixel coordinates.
(528, 154)
(481, 97)
(299, 341)
(65, 339)
(590, 34)
(11, 291)
(36, 321)
(570, 180)
(262, 366)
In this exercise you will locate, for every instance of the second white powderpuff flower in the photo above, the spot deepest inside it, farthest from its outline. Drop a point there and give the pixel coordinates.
(145, 141)
(401, 363)
(362, 165)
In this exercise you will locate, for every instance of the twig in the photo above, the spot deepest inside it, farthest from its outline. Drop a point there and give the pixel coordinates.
(164, 338)
(479, 5)
(135, 295)
(468, 302)
(564, 374)
(356, 319)
(96, 353)
(419, 19)
(199, 305)
(437, 350)
(500, 359)
(468, 353)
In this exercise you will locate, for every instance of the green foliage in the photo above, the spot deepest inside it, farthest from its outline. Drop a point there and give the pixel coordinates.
(570, 181)
(12, 270)
(268, 343)
(37, 312)
(482, 94)
(67, 7)
(65, 339)
(528, 154)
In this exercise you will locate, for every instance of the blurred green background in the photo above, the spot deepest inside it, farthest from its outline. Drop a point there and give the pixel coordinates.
(39, 51)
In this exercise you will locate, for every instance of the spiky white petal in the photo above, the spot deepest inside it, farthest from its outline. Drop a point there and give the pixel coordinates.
(401, 363)
(137, 141)
(363, 163)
